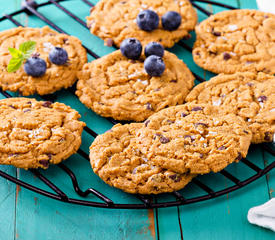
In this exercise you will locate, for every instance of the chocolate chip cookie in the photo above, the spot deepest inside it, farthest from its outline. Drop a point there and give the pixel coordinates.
(195, 138)
(117, 158)
(236, 40)
(182, 140)
(115, 20)
(117, 87)
(248, 95)
(36, 134)
(56, 76)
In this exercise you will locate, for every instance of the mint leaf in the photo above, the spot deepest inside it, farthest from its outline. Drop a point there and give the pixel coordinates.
(15, 64)
(15, 53)
(19, 56)
(27, 48)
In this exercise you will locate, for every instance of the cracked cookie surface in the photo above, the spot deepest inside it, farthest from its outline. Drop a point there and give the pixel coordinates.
(115, 20)
(116, 158)
(117, 87)
(195, 138)
(236, 40)
(248, 95)
(184, 140)
(56, 76)
(35, 134)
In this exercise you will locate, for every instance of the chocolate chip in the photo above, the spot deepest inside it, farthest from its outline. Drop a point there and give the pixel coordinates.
(183, 114)
(214, 53)
(45, 163)
(187, 37)
(26, 110)
(202, 124)
(174, 81)
(12, 106)
(65, 40)
(164, 140)
(221, 148)
(61, 140)
(149, 106)
(123, 2)
(146, 123)
(215, 33)
(49, 156)
(197, 53)
(47, 104)
(109, 42)
(29, 102)
(156, 135)
(175, 177)
(196, 109)
(100, 103)
(267, 136)
(239, 157)
(201, 155)
(262, 98)
(170, 121)
(226, 56)
(249, 84)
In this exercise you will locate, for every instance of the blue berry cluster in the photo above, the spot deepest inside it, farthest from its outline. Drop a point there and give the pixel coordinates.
(153, 64)
(36, 66)
(148, 20)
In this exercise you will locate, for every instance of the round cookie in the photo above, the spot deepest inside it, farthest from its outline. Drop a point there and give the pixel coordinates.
(35, 134)
(115, 20)
(195, 138)
(56, 76)
(117, 160)
(236, 40)
(248, 95)
(117, 87)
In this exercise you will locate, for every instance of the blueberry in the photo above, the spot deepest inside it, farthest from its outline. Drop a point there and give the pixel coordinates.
(58, 56)
(35, 67)
(154, 48)
(154, 65)
(171, 20)
(131, 48)
(148, 20)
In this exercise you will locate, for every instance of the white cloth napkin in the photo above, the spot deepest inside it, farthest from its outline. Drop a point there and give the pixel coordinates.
(266, 5)
(263, 215)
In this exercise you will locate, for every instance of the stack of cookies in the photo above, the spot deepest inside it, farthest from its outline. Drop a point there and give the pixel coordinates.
(176, 132)
(215, 126)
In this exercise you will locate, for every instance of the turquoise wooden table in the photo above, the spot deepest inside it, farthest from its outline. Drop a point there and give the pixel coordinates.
(26, 215)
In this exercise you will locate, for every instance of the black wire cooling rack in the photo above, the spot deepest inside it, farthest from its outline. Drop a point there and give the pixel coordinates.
(31, 7)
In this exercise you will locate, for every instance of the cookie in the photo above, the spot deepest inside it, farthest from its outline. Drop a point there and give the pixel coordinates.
(184, 139)
(236, 40)
(117, 87)
(35, 134)
(56, 76)
(195, 138)
(115, 20)
(248, 95)
(115, 156)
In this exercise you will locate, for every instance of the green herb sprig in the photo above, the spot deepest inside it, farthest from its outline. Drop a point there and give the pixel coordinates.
(20, 55)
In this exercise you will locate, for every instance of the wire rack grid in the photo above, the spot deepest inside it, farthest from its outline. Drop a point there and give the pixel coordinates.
(31, 7)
